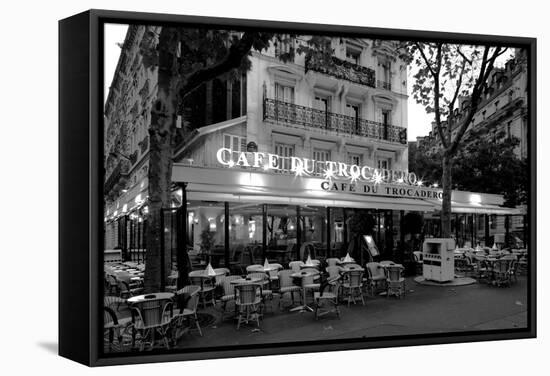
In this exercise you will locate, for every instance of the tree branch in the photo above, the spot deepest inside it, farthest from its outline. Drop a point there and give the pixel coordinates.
(458, 86)
(485, 70)
(437, 91)
(425, 58)
(469, 61)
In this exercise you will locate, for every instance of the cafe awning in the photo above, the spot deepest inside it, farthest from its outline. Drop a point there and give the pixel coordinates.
(200, 192)
(477, 208)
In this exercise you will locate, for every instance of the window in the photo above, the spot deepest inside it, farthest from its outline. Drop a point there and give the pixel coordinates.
(320, 155)
(352, 110)
(284, 45)
(386, 119)
(384, 163)
(284, 93)
(285, 151)
(321, 103)
(353, 55)
(384, 74)
(235, 143)
(355, 159)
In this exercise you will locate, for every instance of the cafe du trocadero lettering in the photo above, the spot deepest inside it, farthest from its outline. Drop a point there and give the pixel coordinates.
(337, 176)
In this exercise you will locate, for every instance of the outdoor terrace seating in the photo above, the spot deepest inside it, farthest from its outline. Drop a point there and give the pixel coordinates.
(228, 291)
(286, 285)
(325, 301)
(206, 284)
(395, 281)
(296, 265)
(181, 315)
(376, 277)
(114, 326)
(152, 318)
(187, 309)
(248, 298)
(352, 285)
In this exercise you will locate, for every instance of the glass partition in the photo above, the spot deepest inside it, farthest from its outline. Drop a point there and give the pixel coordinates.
(206, 231)
(245, 233)
(282, 233)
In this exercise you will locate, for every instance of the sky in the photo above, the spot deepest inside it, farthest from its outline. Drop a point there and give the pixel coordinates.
(419, 121)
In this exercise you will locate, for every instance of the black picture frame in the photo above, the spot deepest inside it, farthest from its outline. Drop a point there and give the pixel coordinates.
(80, 179)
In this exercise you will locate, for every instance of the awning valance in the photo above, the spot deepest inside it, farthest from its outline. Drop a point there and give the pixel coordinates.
(345, 201)
(473, 208)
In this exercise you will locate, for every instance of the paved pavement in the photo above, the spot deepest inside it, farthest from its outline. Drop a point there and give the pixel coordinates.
(425, 309)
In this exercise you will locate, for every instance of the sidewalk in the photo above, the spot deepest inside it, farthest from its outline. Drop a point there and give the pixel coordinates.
(425, 309)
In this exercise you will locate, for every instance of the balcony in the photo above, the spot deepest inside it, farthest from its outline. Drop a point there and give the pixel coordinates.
(342, 69)
(118, 177)
(292, 114)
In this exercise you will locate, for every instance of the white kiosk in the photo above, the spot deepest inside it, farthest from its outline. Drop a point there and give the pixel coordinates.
(438, 259)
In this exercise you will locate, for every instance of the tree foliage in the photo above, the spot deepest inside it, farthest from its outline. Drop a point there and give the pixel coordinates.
(447, 73)
(487, 163)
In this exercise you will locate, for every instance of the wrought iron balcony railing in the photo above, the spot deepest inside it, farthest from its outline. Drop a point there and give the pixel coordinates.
(117, 177)
(342, 69)
(288, 113)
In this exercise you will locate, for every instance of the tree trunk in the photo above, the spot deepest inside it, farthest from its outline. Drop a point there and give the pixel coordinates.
(161, 133)
(447, 166)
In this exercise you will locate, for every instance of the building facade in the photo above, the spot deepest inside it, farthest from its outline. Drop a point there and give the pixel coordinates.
(280, 161)
(502, 110)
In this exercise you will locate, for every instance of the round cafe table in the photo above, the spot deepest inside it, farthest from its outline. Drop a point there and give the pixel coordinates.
(246, 281)
(347, 268)
(263, 269)
(150, 297)
(304, 307)
(315, 266)
(342, 262)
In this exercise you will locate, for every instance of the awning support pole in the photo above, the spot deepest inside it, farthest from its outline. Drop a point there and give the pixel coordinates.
(457, 224)
(345, 228)
(486, 230)
(264, 231)
(298, 228)
(329, 249)
(226, 223)
(162, 271)
(472, 230)
(181, 238)
(507, 230)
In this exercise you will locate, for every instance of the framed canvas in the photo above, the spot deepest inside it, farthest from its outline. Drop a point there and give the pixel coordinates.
(236, 187)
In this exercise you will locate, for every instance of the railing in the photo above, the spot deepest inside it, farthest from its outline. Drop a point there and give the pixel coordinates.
(118, 175)
(383, 85)
(309, 117)
(342, 69)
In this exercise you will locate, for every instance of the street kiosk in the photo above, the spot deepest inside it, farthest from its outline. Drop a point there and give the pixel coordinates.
(438, 259)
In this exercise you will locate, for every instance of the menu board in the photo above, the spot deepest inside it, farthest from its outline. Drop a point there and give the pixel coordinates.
(373, 249)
